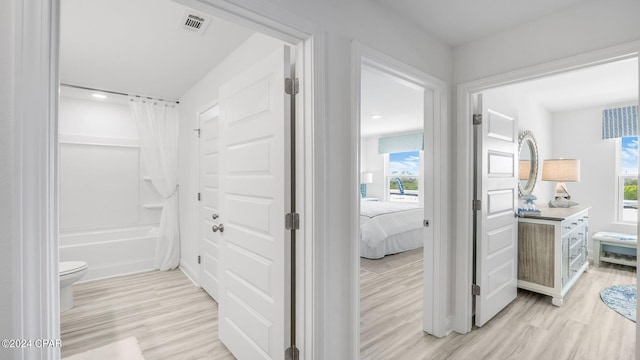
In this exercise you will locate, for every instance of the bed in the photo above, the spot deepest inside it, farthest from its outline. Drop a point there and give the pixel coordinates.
(389, 228)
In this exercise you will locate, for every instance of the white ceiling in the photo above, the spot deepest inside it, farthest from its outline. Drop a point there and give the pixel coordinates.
(139, 46)
(461, 21)
(399, 105)
(594, 86)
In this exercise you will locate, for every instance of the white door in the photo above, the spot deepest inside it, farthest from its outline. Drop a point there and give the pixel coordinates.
(496, 224)
(254, 196)
(209, 204)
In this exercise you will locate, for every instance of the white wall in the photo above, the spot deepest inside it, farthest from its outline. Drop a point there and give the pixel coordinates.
(104, 212)
(200, 97)
(577, 134)
(592, 26)
(7, 71)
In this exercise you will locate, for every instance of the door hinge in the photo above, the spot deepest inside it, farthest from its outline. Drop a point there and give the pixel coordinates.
(292, 353)
(476, 205)
(477, 119)
(292, 221)
(291, 87)
(475, 290)
(199, 196)
(198, 131)
(198, 259)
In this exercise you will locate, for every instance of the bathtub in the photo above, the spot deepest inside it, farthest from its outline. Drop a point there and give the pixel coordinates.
(112, 252)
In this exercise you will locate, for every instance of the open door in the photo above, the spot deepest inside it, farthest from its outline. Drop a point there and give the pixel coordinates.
(209, 203)
(255, 193)
(496, 227)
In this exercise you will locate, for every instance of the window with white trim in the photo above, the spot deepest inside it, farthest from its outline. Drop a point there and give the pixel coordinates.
(403, 176)
(627, 168)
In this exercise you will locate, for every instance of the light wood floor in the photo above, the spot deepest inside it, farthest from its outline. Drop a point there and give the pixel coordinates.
(529, 328)
(170, 317)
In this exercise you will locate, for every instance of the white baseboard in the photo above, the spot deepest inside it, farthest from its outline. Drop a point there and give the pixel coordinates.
(189, 273)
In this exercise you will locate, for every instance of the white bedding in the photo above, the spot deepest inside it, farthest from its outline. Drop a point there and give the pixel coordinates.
(389, 228)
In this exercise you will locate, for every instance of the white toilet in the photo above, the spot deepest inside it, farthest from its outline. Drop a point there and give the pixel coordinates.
(70, 272)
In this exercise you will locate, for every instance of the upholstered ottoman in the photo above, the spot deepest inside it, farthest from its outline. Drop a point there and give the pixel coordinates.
(617, 248)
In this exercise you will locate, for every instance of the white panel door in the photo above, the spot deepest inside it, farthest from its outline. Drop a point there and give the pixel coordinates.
(496, 224)
(209, 203)
(254, 188)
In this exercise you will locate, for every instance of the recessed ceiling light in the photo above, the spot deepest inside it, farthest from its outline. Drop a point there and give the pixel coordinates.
(376, 116)
(99, 96)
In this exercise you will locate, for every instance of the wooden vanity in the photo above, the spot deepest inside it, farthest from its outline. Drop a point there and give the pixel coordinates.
(552, 250)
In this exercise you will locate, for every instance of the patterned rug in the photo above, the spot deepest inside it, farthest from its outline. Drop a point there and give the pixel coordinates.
(622, 299)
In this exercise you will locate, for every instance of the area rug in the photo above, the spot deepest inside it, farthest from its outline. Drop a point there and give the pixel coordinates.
(622, 299)
(127, 349)
(391, 262)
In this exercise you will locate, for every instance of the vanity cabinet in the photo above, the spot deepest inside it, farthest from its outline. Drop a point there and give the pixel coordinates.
(552, 250)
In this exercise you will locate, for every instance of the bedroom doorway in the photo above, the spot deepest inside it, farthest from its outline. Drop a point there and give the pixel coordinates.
(398, 254)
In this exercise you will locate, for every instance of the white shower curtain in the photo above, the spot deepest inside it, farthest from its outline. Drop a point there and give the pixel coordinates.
(157, 123)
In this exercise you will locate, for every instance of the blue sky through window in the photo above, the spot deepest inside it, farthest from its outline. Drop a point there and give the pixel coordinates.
(629, 155)
(405, 163)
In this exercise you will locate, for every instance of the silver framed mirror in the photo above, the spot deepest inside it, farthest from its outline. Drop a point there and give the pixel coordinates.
(527, 162)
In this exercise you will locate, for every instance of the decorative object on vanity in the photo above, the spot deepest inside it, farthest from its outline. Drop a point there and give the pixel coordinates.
(366, 178)
(528, 205)
(527, 162)
(622, 299)
(552, 250)
(561, 170)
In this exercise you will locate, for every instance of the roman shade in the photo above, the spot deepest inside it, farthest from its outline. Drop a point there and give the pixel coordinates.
(401, 143)
(620, 122)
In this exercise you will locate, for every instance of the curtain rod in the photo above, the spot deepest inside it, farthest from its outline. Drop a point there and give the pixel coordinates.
(113, 92)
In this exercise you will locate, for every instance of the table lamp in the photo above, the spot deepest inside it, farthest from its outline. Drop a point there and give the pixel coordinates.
(561, 170)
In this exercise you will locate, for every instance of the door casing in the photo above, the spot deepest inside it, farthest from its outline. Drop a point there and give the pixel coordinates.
(436, 254)
(463, 308)
(36, 305)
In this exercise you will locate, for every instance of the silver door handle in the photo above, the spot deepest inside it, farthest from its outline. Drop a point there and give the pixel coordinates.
(214, 216)
(215, 228)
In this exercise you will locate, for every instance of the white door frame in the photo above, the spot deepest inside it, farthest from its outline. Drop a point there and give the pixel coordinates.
(35, 240)
(436, 254)
(464, 235)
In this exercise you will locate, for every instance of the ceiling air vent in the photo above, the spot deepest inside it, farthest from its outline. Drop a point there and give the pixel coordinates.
(195, 22)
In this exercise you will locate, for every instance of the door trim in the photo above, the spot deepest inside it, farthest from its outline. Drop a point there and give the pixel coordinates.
(35, 238)
(464, 159)
(435, 284)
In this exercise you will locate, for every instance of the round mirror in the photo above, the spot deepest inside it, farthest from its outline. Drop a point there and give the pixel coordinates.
(528, 163)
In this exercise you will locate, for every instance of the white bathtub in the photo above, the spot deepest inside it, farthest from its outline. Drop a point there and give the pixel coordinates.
(112, 252)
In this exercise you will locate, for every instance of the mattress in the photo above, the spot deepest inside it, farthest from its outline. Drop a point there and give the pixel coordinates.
(389, 228)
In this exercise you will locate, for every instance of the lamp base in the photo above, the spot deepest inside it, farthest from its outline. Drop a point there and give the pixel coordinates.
(561, 191)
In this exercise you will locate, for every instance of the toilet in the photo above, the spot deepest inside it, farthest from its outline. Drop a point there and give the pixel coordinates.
(70, 272)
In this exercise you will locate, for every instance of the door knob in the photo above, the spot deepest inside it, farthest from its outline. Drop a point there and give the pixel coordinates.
(216, 228)
(214, 216)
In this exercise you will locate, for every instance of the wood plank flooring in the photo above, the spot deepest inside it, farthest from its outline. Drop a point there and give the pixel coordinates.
(529, 328)
(170, 317)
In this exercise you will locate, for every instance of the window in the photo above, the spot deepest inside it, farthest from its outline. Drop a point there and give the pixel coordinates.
(628, 180)
(403, 176)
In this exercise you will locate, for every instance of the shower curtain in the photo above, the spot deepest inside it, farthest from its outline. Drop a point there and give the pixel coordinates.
(157, 123)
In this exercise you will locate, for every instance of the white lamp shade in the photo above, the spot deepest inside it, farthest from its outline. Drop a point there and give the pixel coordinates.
(367, 178)
(561, 170)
